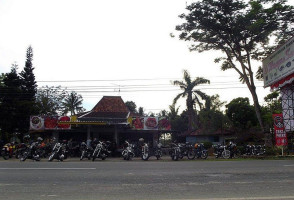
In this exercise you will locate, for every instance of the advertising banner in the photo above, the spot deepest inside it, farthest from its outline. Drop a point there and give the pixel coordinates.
(279, 64)
(38, 123)
(280, 133)
(149, 123)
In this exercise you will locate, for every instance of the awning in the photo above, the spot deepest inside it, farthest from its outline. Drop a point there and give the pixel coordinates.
(281, 83)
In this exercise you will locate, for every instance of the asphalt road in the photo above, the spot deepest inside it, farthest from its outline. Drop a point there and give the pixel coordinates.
(117, 179)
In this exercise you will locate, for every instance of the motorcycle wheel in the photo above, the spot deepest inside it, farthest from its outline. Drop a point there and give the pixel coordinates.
(82, 156)
(94, 157)
(24, 156)
(204, 155)
(145, 156)
(175, 157)
(5, 155)
(191, 155)
(226, 154)
(51, 157)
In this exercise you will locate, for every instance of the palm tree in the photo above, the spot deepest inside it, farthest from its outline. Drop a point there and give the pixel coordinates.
(192, 96)
(73, 103)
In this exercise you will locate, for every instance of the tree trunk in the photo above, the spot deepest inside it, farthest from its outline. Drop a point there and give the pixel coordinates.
(267, 135)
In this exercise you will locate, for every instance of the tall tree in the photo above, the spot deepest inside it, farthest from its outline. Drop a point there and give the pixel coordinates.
(192, 95)
(10, 95)
(29, 85)
(240, 30)
(73, 103)
(29, 90)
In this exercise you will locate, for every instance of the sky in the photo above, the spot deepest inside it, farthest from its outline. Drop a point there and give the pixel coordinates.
(108, 48)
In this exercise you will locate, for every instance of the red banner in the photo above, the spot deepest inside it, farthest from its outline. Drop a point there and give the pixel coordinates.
(280, 133)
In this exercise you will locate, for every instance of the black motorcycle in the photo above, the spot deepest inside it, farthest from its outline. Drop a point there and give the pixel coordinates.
(221, 151)
(187, 149)
(101, 150)
(86, 151)
(31, 152)
(158, 151)
(128, 151)
(175, 152)
(59, 152)
(200, 151)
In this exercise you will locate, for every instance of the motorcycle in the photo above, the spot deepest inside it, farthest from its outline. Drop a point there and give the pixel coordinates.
(221, 151)
(128, 151)
(200, 151)
(175, 152)
(5, 151)
(19, 149)
(187, 150)
(158, 151)
(234, 152)
(101, 151)
(86, 151)
(59, 152)
(32, 152)
(145, 152)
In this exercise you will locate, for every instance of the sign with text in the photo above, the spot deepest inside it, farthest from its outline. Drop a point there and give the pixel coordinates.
(280, 133)
(279, 64)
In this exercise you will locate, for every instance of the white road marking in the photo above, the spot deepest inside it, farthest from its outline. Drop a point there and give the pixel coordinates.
(47, 168)
(288, 165)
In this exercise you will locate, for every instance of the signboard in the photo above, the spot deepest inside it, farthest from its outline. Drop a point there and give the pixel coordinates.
(38, 123)
(280, 133)
(279, 64)
(149, 123)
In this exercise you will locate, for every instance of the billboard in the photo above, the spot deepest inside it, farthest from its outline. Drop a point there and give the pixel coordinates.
(149, 123)
(39, 123)
(279, 64)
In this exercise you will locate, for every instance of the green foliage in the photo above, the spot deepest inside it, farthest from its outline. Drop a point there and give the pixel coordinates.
(49, 100)
(241, 113)
(193, 96)
(131, 106)
(207, 145)
(72, 103)
(240, 30)
(10, 95)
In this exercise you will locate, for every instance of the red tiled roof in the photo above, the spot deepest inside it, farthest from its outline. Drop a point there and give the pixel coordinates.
(109, 107)
(111, 104)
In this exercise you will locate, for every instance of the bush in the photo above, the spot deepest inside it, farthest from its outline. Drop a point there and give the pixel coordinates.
(207, 145)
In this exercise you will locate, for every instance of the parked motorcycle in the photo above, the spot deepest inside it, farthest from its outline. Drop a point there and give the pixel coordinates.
(128, 151)
(86, 151)
(101, 150)
(234, 152)
(221, 151)
(175, 152)
(6, 151)
(158, 151)
(33, 151)
(187, 149)
(59, 152)
(200, 151)
(254, 150)
(145, 152)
